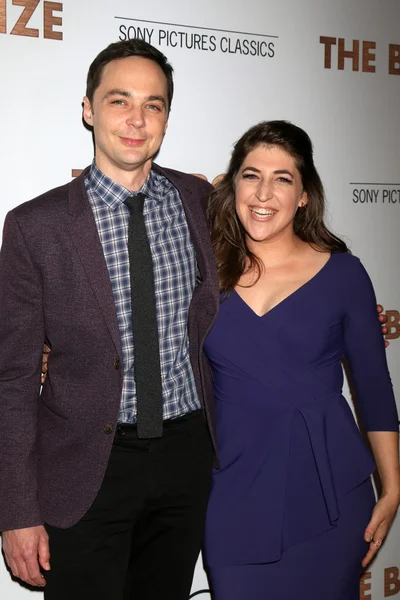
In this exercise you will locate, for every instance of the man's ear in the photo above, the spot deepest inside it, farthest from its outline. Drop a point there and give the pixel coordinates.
(87, 111)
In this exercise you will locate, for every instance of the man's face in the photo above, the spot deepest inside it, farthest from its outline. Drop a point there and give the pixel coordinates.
(129, 115)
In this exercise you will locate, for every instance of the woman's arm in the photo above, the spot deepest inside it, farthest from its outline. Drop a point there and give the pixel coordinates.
(385, 447)
(370, 376)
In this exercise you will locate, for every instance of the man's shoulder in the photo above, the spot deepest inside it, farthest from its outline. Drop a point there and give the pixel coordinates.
(45, 200)
(53, 200)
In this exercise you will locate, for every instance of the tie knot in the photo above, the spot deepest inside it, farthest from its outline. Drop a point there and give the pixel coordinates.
(135, 203)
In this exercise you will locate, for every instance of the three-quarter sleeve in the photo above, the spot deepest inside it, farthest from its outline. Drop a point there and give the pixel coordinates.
(365, 351)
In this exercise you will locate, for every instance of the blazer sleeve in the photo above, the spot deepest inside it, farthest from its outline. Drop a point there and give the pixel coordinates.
(365, 351)
(21, 344)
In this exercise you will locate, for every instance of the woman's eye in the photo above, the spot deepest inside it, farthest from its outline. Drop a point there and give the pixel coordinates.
(285, 180)
(249, 176)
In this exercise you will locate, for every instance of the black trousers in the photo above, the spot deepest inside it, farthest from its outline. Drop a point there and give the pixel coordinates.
(141, 538)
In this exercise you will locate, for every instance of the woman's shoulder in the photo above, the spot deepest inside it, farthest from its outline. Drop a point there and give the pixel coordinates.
(345, 260)
(350, 270)
(338, 261)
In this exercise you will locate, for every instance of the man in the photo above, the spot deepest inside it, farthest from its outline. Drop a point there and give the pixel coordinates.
(92, 504)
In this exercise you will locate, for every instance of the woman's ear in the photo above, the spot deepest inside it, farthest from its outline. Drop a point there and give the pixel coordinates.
(303, 200)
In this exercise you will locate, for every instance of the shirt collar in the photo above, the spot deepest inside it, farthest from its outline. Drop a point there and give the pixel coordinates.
(113, 194)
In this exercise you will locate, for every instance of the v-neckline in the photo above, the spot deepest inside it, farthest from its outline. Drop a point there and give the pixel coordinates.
(289, 296)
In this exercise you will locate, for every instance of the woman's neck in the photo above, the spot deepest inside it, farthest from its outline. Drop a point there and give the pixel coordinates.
(273, 253)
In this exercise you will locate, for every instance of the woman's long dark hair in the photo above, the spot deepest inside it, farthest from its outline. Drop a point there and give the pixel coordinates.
(228, 236)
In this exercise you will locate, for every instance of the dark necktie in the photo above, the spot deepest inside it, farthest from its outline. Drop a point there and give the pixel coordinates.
(144, 321)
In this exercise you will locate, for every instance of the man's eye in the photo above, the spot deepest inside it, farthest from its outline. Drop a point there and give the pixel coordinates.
(154, 107)
(118, 102)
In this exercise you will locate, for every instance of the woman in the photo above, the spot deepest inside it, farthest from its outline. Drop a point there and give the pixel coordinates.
(290, 509)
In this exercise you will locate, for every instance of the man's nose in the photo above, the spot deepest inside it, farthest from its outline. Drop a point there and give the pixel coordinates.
(136, 117)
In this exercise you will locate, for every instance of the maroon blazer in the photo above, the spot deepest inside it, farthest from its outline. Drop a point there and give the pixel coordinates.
(54, 286)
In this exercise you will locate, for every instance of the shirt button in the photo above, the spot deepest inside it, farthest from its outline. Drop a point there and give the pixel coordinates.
(117, 364)
(108, 428)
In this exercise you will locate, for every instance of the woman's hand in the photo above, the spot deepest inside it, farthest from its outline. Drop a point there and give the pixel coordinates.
(45, 358)
(382, 320)
(380, 523)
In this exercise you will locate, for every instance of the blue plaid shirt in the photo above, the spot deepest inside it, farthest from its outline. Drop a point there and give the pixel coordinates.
(174, 263)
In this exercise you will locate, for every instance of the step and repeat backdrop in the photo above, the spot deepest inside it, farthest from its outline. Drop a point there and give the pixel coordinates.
(332, 68)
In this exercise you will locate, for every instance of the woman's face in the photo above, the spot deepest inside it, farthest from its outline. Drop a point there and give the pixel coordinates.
(268, 192)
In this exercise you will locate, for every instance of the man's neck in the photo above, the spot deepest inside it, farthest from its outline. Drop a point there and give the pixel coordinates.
(130, 179)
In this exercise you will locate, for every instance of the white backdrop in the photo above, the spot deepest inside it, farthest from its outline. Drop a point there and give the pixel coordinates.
(236, 63)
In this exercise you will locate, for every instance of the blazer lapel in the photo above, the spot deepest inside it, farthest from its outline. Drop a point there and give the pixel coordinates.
(83, 232)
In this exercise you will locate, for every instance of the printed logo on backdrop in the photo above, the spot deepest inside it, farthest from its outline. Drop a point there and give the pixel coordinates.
(393, 324)
(380, 193)
(38, 18)
(202, 39)
(359, 53)
(391, 585)
(200, 594)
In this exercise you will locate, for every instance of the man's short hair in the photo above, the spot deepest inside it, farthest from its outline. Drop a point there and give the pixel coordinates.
(125, 49)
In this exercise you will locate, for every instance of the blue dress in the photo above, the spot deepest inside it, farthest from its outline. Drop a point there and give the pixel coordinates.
(290, 503)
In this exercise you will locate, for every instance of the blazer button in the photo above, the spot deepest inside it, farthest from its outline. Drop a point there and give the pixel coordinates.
(108, 428)
(117, 364)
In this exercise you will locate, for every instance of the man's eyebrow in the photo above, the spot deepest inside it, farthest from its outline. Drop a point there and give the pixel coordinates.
(156, 98)
(117, 92)
(126, 94)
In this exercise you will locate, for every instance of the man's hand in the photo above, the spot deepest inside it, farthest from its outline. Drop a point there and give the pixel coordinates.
(45, 358)
(25, 550)
(382, 319)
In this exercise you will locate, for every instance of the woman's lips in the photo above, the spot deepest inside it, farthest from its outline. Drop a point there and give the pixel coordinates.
(261, 213)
